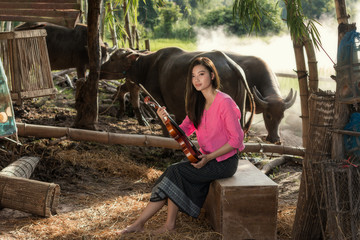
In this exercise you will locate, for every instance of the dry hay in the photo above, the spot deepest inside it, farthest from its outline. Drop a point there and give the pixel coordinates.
(103, 190)
(286, 216)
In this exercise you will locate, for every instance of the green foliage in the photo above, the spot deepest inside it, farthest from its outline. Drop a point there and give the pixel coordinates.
(313, 9)
(299, 25)
(148, 13)
(170, 24)
(224, 17)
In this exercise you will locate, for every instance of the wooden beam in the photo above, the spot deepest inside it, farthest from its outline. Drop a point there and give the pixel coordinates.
(38, 93)
(62, 12)
(68, 22)
(38, 5)
(51, 13)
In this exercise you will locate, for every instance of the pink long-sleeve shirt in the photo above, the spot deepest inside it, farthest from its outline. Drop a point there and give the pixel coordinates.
(220, 124)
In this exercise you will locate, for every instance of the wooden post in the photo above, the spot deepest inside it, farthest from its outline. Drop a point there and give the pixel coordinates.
(39, 198)
(87, 89)
(341, 117)
(147, 44)
(341, 110)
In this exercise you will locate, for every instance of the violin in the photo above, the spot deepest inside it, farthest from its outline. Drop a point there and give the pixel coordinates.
(188, 147)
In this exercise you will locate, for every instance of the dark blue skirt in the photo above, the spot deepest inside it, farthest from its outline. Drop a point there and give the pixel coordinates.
(188, 186)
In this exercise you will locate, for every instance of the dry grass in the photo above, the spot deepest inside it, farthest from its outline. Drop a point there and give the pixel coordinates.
(103, 190)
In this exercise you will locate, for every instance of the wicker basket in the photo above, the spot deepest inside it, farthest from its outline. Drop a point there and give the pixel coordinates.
(26, 64)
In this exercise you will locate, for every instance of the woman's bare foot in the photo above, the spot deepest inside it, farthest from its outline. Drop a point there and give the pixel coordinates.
(132, 228)
(164, 229)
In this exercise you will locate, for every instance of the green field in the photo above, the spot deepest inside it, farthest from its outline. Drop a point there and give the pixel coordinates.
(156, 44)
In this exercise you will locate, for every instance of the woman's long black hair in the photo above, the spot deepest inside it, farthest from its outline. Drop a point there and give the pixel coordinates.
(195, 100)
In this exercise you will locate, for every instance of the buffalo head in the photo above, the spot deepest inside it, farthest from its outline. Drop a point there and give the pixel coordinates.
(273, 108)
(118, 64)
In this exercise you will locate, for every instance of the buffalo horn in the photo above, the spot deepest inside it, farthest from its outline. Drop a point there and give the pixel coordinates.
(290, 99)
(259, 99)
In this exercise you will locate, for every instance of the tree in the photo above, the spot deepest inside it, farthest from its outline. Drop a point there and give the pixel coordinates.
(148, 14)
(169, 15)
(223, 16)
(87, 89)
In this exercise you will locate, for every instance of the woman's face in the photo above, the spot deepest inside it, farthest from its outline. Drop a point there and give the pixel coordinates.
(201, 78)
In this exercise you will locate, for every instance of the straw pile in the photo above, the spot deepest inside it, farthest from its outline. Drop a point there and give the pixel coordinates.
(103, 189)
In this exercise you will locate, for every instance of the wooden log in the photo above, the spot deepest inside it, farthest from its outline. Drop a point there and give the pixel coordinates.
(23, 167)
(135, 139)
(274, 163)
(31, 196)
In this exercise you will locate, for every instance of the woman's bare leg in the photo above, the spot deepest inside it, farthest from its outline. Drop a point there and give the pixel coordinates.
(147, 213)
(170, 220)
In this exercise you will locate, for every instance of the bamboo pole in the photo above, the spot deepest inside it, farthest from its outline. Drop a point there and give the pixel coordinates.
(112, 27)
(312, 63)
(23, 167)
(135, 139)
(303, 87)
(127, 26)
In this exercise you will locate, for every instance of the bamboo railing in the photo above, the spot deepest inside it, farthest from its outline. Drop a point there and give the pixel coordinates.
(135, 139)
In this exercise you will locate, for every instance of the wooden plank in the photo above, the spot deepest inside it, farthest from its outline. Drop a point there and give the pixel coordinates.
(69, 22)
(39, 5)
(23, 34)
(38, 93)
(39, 13)
(45, 1)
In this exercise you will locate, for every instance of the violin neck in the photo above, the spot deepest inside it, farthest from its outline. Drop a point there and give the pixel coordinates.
(147, 93)
(157, 105)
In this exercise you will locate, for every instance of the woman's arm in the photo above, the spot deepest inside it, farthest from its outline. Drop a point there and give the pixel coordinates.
(208, 157)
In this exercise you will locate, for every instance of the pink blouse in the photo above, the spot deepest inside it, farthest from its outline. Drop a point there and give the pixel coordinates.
(220, 124)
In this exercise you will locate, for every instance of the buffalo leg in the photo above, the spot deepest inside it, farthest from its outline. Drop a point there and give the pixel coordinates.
(135, 102)
(120, 95)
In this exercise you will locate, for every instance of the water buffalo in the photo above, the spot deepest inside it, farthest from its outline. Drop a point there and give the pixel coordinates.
(163, 73)
(67, 48)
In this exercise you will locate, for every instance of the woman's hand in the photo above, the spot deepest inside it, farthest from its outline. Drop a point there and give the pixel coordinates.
(204, 159)
(161, 112)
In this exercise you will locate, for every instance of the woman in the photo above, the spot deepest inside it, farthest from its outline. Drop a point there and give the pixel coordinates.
(214, 116)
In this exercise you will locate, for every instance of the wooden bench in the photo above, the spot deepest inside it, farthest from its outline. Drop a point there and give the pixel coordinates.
(243, 206)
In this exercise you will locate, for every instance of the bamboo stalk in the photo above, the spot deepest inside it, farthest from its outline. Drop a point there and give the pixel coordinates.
(135, 139)
(303, 87)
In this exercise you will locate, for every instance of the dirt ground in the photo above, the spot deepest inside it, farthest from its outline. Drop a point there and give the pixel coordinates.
(104, 187)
